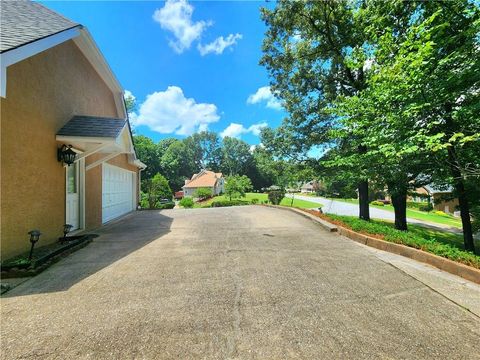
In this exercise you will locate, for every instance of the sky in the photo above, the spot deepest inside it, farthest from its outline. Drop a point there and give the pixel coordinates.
(191, 65)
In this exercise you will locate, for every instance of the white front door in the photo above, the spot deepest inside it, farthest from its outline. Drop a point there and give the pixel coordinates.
(73, 204)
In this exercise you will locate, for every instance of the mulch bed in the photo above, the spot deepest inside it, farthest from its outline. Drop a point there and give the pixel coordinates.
(43, 257)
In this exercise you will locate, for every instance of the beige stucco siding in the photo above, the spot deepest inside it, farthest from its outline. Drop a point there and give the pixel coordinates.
(43, 93)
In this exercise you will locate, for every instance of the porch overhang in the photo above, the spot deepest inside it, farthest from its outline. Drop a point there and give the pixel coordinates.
(108, 137)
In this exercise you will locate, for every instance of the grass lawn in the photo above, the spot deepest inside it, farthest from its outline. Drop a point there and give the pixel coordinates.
(261, 198)
(417, 214)
(441, 243)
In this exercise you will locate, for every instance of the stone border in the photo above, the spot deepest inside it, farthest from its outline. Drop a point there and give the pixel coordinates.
(450, 266)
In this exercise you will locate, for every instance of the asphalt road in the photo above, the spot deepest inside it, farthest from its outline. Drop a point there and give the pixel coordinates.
(230, 283)
(344, 208)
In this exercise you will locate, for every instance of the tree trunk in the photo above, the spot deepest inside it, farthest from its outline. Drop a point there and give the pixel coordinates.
(399, 202)
(462, 201)
(363, 200)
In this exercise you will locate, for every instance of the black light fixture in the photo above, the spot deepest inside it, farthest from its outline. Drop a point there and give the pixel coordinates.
(66, 154)
(34, 237)
(66, 229)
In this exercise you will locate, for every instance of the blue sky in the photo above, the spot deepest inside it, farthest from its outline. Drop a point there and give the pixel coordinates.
(190, 65)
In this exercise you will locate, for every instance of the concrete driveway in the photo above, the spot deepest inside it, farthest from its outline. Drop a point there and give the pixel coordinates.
(231, 283)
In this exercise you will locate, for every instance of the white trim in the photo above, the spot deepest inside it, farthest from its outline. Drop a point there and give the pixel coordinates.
(87, 139)
(81, 164)
(102, 160)
(13, 56)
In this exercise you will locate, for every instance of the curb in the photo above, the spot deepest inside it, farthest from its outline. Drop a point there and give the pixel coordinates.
(450, 266)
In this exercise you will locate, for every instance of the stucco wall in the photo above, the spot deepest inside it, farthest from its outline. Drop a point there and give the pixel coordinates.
(43, 93)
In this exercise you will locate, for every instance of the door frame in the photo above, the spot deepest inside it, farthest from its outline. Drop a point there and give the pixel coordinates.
(81, 194)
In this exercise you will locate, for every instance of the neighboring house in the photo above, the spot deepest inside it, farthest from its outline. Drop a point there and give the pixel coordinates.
(441, 198)
(57, 90)
(310, 187)
(205, 179)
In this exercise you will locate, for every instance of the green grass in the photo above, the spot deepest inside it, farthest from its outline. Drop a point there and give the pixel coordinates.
(416, 214)
(261, 198)
(441, 243)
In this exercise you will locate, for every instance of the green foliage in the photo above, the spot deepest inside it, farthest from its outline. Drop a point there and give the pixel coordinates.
(237, 186)
(441, 213)
(203, 193)
(415, 204)
(236, 156)
(168, 205)
(156, 188)
(427, 207)
(276, 196)
(225, 203)
(254, 201)
(377, 203)
(410, 239)
(187, 202)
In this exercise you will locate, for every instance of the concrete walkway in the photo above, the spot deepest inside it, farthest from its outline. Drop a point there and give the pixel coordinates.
(343, 208)
(245, 282)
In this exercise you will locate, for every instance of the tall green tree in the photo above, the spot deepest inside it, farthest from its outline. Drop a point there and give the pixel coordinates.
(147, 152)
(307, 51)
(178, 164)
(236, 156)
(206, 148)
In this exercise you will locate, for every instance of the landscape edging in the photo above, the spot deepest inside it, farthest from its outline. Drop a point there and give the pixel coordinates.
(450, 266)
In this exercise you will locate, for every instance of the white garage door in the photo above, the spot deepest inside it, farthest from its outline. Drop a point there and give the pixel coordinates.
(117, 192)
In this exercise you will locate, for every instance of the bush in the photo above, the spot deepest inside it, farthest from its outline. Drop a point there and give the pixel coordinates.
(156, 188)
(254, 201)
(168, 205)
(186, 202)
(377, 203)
(410, 239)
(415, 204)
(441, 213)
(203, 193)
(225, 203)
(276, 196)
(427, 207)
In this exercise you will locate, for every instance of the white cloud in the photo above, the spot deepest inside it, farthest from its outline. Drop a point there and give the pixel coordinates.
(219, 44)
(170, 111)
(236, 130)
(176, 17)
(128, 94)
(264, 94)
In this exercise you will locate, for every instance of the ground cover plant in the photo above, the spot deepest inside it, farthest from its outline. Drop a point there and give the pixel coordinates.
(260, 198)
(444, 244)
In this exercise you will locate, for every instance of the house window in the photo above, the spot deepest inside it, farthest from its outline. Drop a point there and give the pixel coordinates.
(72, 178)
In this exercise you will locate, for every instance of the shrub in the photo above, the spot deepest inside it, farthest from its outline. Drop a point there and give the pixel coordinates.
(441, 213)
(236, 186)
(254, 201)
(276, 196)
(156, 188)
(225, 203)
(186, 202)
(427, 207)
(410, 239)
(168, 205)
(415, 204)
(203, 193)
(377, 203)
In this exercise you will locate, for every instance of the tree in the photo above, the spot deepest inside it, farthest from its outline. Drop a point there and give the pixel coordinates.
(306, 51)
(237, 186)
(147, 152)
(157, 188)
(236, 156)
(177, 163)
(206, 148)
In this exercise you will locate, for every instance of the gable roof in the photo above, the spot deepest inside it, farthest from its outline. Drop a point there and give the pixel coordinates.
(24, 22)
(204, 178)
(93, 126)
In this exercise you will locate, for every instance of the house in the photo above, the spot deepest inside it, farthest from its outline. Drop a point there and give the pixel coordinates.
(60, 102)
(205, 179)
(310, 187)
(441, 198)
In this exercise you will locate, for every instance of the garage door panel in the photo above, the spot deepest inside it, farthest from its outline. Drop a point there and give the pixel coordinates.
(117, 192)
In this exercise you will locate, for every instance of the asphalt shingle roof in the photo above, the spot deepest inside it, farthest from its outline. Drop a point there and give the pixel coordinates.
(23, 22)
(92, 126)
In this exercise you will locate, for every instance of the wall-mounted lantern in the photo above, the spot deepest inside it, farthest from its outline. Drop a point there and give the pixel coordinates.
(34, 237)
(66, 154)
(66, 229)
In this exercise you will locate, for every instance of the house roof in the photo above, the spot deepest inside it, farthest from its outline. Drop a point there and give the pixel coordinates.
(92, 126)
(24, 22)
(434, 189)
(205, 178)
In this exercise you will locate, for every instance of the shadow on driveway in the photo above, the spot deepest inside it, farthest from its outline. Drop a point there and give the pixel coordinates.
(116, 241)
